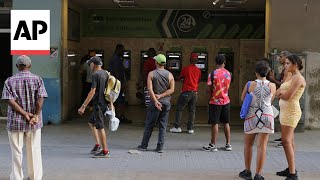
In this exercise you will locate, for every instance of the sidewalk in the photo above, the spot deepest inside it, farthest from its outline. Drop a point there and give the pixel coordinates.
(65, 155)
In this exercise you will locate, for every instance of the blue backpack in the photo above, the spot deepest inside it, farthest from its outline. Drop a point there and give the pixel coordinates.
(246, 103)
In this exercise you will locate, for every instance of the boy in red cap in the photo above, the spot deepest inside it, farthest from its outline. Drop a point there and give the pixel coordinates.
(191, 76)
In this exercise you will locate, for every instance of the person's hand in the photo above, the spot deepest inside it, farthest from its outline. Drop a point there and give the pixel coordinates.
(158, 96)
(81, 110)
(34, 119)
(28, 116)
(271, 76)
(158, 105)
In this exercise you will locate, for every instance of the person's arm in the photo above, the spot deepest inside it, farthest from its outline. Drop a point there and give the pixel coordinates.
(210, 87)
(90, 94)
(170, 90)
(182, 75)
(87, 101)
(244, 91)
(297, 82)
(151, 93)
(199, 76)
(273, 89)
(16, 107)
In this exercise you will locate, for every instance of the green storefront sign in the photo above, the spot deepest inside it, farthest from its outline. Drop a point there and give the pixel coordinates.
(194, 24)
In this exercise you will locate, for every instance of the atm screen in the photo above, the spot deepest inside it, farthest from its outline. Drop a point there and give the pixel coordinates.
(126, 63)
(200, 66)
(174, 65)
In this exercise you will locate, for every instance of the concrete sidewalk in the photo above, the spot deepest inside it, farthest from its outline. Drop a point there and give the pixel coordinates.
(65, 155)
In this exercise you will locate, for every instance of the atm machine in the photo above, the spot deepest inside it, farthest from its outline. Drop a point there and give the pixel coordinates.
(126, 58)
(202, 64)
(97, 52)
(174, 63)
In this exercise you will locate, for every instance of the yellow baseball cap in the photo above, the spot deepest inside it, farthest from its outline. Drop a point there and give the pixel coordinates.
(161, 59)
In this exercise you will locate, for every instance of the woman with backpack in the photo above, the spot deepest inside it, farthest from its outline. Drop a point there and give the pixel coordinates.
(259, 120)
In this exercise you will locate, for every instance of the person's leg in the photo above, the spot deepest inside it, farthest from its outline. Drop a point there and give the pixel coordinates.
(287, 134)
(214, 117)
(152, 116)
(99, 125)
(227, 132)
(103, 139)
(248, 144)
(16, 144)
(34, 158)
(214, 133)
(163, 122)
(192, 109)
(225, 119)
(94, 133)
(92, 124)
(261, 151)
(181, 104)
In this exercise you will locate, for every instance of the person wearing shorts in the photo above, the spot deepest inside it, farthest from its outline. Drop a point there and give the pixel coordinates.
(219, 103)
(96, 94)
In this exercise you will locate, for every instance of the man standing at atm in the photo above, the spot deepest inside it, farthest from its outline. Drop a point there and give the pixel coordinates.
(219, 103)
(117, 69)
(191, 76)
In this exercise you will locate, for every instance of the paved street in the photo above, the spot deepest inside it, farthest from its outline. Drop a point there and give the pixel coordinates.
(65, 155)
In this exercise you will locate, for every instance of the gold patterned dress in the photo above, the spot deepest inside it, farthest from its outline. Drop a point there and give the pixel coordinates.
(290, 111)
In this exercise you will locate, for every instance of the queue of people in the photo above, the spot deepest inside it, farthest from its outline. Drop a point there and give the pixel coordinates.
(25, 93)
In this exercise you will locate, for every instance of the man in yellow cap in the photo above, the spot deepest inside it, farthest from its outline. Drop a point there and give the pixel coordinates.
(160, 83)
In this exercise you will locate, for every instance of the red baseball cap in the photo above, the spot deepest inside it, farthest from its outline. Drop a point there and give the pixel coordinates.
(194, 56)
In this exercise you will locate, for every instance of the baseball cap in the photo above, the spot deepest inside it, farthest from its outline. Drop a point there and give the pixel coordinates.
(194, 56)
(95, 60)
(161, 59)
(23, 60)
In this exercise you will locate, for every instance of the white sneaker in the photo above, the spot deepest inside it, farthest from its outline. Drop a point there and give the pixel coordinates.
(191, 131)
(175, 130)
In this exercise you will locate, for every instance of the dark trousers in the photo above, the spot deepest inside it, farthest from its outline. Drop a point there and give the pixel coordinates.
(154, 115)
(186, 98)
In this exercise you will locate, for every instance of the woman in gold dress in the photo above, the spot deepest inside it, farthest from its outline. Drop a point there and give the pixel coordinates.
(289, 94)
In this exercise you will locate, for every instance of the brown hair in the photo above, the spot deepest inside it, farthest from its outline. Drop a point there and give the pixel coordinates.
(294, 59)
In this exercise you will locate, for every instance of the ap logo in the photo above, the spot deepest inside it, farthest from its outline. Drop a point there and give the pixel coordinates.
(30, 32)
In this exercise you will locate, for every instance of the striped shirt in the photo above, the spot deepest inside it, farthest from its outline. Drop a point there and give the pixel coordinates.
(23, 87)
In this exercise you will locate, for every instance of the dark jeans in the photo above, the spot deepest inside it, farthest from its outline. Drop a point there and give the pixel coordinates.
(154, 115)
(186, 98)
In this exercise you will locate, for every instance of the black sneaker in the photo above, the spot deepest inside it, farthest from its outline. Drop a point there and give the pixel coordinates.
(292, 177)
(159, 150)
(277, 140)
(258, 177)
(210, 147)
(101, 154)
(245, 174)
(284, 173)
(95, 150)
(141, 148)
(228, 147)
